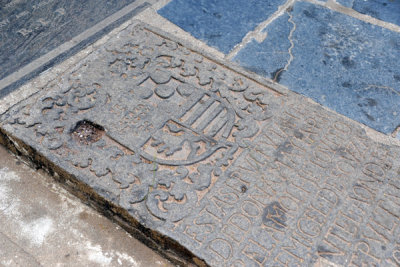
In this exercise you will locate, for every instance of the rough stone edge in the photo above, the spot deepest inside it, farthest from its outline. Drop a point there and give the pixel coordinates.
(165, 246)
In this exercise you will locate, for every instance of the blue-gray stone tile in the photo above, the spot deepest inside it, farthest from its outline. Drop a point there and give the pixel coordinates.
(386, 10)
(343, 63)
(221, 24)
(30, 29)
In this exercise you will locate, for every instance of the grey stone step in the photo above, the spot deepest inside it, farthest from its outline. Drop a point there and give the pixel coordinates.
(273, 179)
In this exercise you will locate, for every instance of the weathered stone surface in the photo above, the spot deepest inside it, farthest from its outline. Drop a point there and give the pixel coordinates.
(339, 61)
(30, 29)
(235, 172)
(221, 24)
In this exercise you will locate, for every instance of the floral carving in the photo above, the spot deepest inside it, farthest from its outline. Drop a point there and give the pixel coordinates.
(171, 121)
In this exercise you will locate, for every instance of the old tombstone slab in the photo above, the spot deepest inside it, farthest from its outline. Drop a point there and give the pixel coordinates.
(194, 152)
(31, 29)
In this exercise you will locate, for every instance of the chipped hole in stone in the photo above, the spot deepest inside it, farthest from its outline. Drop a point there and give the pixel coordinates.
(86, 132)
(243, 188)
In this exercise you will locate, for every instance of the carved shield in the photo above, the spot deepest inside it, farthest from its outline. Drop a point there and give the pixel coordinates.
(178, 125)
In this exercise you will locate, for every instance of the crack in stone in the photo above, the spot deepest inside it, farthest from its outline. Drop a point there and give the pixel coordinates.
(258, 33)
(291, 57)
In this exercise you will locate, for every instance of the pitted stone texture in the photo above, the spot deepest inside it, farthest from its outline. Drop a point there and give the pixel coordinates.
(233, 171)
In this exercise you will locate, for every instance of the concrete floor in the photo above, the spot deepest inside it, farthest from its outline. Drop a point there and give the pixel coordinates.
(41, 224)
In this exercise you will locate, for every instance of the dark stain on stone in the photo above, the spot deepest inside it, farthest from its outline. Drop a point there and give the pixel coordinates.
(217, 15)
(383, 247)
(309, 14)
(368, 116)
(243, 188)
(371, 102)
(368, 102)
(289, 9)
(276, 75)
(346, 84)
(348, 63)
(213, 36)
(396, 77)
(324, 252)
(86, 132)
(274, 215)
(298, 134)
(284, 147)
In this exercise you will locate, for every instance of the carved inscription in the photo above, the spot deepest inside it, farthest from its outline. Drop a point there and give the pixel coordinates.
(315, 188)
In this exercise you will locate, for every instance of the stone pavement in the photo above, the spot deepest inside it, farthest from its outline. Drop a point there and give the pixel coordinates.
(213, 164)
(344, 54)
(43, 225)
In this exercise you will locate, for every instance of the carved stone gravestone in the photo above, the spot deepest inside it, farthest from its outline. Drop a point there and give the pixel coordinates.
(234, 172)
